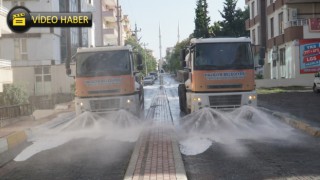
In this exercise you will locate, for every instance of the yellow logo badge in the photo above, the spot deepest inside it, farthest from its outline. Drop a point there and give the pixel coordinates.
(19, 19)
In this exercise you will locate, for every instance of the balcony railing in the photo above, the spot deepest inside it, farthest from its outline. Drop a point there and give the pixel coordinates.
(297, 22)
(3, 10)
(5, 63)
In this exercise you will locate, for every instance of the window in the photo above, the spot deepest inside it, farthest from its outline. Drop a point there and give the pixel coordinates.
(259, 40)
(282, 56)
(42, 80)
(252, 9)
(271, 1)
(274, 63)
(17, 55)
(23, 49)
(280, 17)
(271, 28)
(254, 36)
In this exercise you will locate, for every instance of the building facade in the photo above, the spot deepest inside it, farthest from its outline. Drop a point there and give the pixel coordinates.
(36, 55)
(289, 30)
(105, 27)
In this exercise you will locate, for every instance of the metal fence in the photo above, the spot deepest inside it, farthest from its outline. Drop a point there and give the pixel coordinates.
(15, 111)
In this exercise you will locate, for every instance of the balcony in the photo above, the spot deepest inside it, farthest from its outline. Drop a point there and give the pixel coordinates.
(279, 4)
(109, 15)
(3, 21)
(247, 1)
(110, 32)
(292, 33)
(3, 11)
(279, 39)
(270, 9)
(255, 49)
(271, 42)
(111, 3)
(251, 22)
(300, 1)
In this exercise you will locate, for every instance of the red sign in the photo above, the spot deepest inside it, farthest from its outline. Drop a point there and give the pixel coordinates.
(311, 59)
(311, 52)
(314, 24)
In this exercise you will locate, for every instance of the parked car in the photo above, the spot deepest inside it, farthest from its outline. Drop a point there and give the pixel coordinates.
(155, 74)
(316, 83)
(148, 80)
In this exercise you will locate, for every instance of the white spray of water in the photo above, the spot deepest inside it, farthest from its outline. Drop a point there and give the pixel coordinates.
(120, 126)
(200, 129)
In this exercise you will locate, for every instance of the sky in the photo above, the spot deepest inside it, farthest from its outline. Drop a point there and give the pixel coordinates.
(149, 14)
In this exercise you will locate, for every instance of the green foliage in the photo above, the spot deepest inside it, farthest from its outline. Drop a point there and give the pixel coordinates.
(202, 20)
(173, 61)
(149, 61)
(13, 95)
(234, 21)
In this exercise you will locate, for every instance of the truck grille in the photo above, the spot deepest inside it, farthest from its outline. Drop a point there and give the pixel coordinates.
(228, 101)
(224, 86)
(105, 104)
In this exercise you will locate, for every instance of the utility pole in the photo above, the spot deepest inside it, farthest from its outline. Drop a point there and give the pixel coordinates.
(160, 48)
(136, 32)
(178, 32)
(118, 22)
(145, 57)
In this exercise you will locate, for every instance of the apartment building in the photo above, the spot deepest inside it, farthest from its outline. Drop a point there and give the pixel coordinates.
(289, 31)
(36, 55)
(5, 65)
(105, 25)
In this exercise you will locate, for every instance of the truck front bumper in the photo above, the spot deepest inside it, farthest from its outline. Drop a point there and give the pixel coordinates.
(108, 104)
(225, 101)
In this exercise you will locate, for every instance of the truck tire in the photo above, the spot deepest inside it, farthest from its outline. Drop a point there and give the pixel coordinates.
(315, 90)
(182, 97)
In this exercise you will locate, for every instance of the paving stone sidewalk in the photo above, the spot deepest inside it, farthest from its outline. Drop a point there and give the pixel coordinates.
(157, 155)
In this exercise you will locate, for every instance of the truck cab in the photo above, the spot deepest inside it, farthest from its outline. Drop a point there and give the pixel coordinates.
(221, 74)
(105, 80)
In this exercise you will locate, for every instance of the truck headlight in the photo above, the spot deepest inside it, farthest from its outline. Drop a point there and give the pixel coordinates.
(128, 101)
(252, 97)
(197, 99)
(81, 103)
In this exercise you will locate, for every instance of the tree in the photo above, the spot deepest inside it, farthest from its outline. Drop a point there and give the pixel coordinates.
(234, 20)
(13, 95)
(174, 58)
(149, 61)
(202, 20)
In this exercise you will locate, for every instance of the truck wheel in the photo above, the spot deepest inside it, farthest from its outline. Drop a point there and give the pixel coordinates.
(182, 97)
(315, 90)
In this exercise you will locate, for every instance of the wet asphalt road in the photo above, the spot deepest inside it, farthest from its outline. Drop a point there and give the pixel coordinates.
(265, 159)
(297, 158)
(79, 159)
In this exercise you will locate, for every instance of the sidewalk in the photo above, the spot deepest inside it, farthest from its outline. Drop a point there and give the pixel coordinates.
(299, 109)
(11, 136)
(156, 155)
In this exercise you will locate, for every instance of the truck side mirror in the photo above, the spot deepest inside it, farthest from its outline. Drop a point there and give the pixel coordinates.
(182, 54)
(139, 59)
(68, 69)
(262, 54)
(183, 64)
(140, 67)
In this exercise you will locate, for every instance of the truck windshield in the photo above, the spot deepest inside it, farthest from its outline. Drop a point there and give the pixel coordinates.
(106, 63)
(222, 56)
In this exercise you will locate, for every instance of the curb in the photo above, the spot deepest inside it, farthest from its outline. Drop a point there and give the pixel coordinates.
(11, 141)
(294, 122)
(180, 170)
(133, 160)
